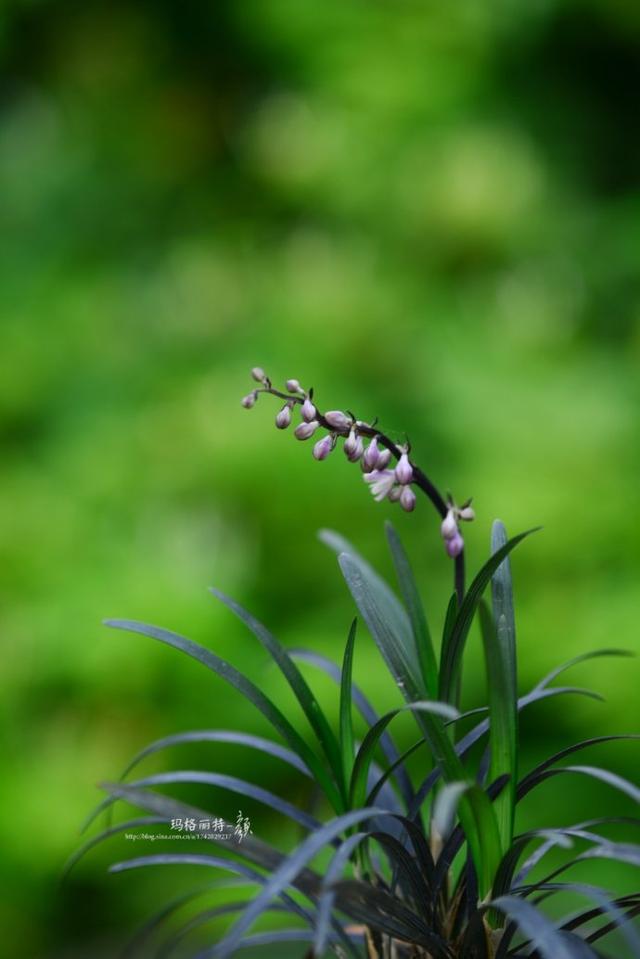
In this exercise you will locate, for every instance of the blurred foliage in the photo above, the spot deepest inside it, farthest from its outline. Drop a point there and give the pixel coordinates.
(429, 211)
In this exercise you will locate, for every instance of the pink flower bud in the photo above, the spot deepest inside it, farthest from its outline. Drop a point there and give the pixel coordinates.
(305, 430)
(407, 499)
(294, 386)
(338, 420)
(395, 492)
(353, 447)
(308, 411)
(467, 513)
(283, 419)
(371, 456)
(258, 374)
(449, 527)
(454, 546)
(404, 472)
(324, 446)
(249, 400)
(384, 458)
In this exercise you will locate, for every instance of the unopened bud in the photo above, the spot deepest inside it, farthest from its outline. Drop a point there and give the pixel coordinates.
(353, 447)
(324, 446)
(454, 546)
(338, 419)
(283, 419)
(371, 456)
(407, 499)
(305, 430)
(394, 493)
(294, 386)
(308, 411)
(449, 527)
(384, 458)
(467, 513)
(258, 374)
(249, 400)
(404, 471)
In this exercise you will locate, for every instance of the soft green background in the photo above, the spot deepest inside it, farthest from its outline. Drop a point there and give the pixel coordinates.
(428, 211)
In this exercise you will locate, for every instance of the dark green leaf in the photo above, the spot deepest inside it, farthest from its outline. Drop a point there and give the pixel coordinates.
(413, 603)
(367, 712)
(249, 690)
(359, 778)
(310, 706)
(453, 649)
(499, 639)
(346, 719)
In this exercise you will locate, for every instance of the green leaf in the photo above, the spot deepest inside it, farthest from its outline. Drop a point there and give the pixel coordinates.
(249, 690)
(364, 757)
(367, 712)
(453, 646)
(548, 941)
(310, 706)
(346, 719)
(413, 603)
(398, 651)
(594, 772)
(476, 809)
(502, 683)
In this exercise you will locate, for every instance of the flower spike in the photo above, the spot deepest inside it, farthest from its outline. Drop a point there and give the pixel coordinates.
(386, 466)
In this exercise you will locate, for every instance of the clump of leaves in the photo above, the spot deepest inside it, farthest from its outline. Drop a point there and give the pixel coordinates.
(431, 869)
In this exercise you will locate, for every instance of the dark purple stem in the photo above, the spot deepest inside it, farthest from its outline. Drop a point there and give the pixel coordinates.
(419, 477)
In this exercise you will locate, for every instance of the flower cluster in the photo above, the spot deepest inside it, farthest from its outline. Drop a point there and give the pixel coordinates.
(450, 529)
(385, 480)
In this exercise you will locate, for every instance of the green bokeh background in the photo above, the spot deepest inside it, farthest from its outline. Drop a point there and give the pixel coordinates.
(431, 213)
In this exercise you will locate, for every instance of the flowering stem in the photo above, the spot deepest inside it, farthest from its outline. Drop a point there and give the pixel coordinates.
(420, 478)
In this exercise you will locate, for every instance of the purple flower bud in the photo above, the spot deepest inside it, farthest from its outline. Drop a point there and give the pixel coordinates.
(353, 446)
(294, 386)
(384, 458)
(249, 400)
(283, 419)
(338, 420)
(467, 513)
(454, 546)
(407, 499)
(308, 411)
(394, 493)
(371, 456)
(305, 430)
(404, 472)
(258, 374)
(324, 446)
(449, 527)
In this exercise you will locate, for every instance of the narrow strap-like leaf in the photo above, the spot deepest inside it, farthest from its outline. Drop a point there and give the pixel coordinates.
(472, 737)
(533, 924)
(500, 656)
(233, 784)
(404, 660)
(358, 784)
(310, 706)
(284, 875)
(594, 772)
(249, 690)
(220, 736)
(367, 712)
(452, 651)
(582, 658)
(413, 603)
(346, 719)
(327, 898)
